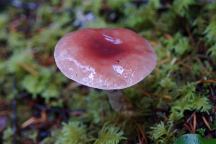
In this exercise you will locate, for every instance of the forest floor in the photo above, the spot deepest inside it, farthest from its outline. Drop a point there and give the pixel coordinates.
(38, 104)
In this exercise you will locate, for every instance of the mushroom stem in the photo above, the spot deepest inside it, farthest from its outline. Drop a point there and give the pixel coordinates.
(119, 102)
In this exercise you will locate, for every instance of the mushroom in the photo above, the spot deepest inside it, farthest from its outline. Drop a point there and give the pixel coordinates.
(105, 58)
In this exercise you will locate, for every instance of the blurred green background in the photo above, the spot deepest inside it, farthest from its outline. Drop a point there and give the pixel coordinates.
(39, 105)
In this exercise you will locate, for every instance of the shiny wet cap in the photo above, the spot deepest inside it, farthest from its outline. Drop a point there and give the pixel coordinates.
(105, 58)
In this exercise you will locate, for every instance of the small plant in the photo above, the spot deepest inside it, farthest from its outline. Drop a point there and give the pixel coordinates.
(162, 133)
(72, 133)
(76, 133)
(109, 135)
(189, 100)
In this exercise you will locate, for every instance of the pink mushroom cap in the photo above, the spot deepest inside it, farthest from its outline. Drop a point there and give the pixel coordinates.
(105, 58)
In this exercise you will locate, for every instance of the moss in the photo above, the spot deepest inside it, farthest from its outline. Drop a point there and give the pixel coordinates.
(183, 83)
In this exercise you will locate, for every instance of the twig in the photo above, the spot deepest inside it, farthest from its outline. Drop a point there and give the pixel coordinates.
(34, 120)
(191, 126)
(141, 135)
(188, 127)
(206, 123)
(194, 122)
(206, 81)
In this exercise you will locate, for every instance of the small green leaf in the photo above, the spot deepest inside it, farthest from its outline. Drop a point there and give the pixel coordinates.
(194, 139)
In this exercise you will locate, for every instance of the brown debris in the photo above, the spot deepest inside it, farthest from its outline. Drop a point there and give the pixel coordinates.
(33, 120)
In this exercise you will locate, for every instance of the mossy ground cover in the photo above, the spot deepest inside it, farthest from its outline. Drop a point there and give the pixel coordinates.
(38, 104)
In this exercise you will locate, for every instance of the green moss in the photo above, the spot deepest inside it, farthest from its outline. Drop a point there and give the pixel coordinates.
(182, 33)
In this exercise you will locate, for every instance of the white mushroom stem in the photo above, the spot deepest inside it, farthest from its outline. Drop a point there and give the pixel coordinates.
(119, 102)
